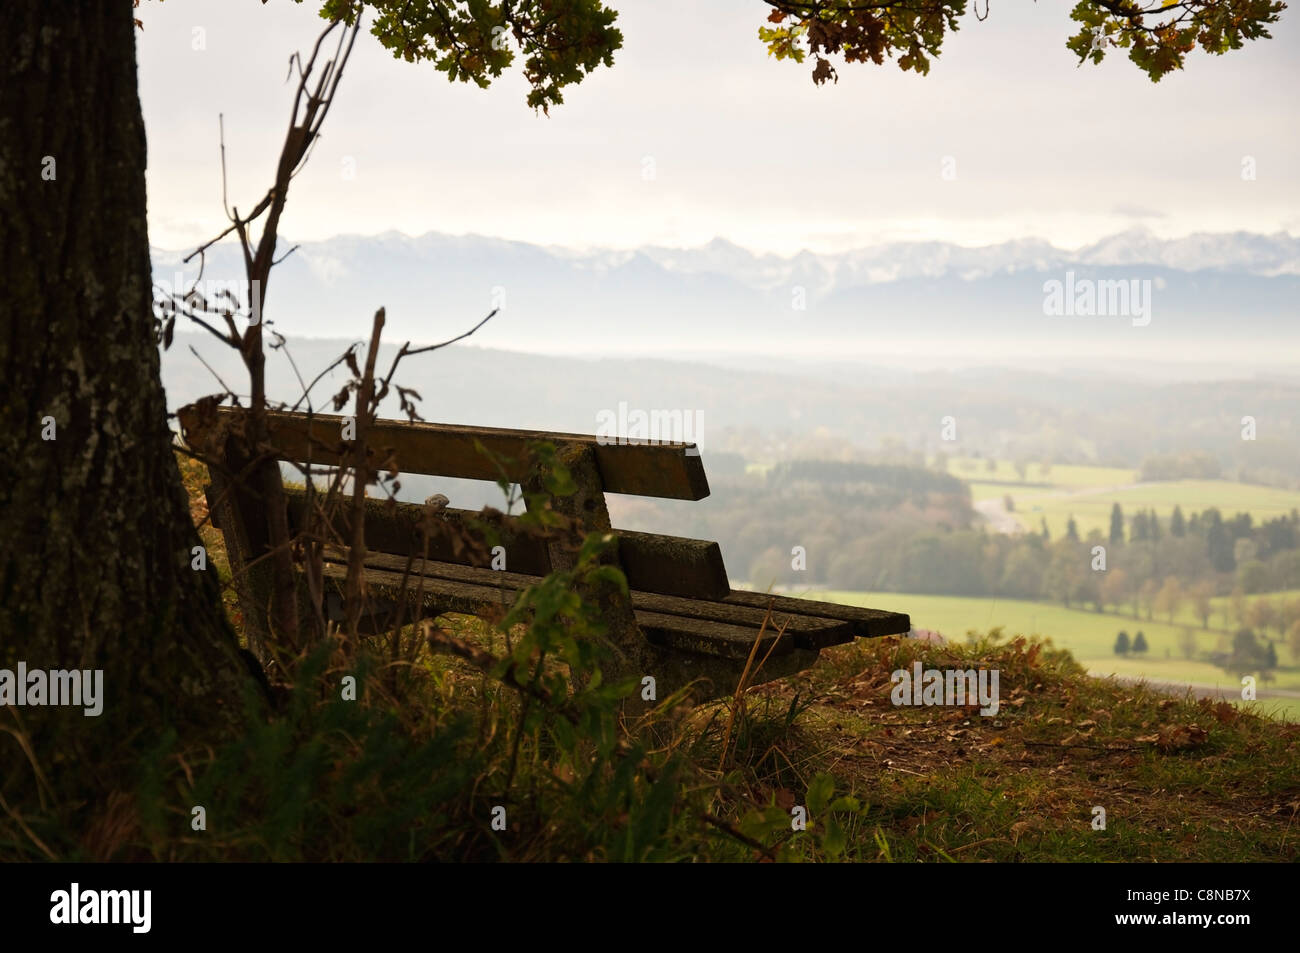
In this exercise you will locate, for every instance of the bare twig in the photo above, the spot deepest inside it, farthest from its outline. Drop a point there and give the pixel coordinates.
(731, 831)
(27, 830)
(224, 386)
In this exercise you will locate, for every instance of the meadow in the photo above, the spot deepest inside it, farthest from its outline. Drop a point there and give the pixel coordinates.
(1092, 510)
(1087, 493)
(1088, 636)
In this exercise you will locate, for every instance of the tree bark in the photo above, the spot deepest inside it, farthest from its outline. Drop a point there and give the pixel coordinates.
(96, 539)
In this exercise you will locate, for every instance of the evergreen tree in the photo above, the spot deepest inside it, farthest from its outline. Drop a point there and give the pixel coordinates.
(1116, 525)
(1139, 644)
(1138, 531)
(1177, 525)
(1121, 644)
(1072, 530)
(1153, 524)
(1218, 545)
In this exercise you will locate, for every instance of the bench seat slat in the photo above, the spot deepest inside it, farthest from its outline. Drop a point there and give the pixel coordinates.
(867, 623)
(699, 626)
(802, 627)
(806, 631)
(440, 595)
(455, 572)
(697, 636)
(703, 637)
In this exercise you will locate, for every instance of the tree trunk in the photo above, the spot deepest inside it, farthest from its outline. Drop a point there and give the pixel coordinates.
(96, 539)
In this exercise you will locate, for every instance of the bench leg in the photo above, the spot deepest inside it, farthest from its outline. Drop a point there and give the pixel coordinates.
(587, 507)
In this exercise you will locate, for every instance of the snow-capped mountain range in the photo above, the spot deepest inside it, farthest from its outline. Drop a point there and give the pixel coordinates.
(1264, 255)
(1207, 288)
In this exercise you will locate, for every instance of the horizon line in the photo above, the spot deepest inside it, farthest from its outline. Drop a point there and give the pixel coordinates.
(721, 239)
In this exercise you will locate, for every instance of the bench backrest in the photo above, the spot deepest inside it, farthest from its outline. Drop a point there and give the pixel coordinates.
(652, 563)
(665, 470)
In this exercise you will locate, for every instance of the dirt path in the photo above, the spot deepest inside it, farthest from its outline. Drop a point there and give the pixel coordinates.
(997, 516)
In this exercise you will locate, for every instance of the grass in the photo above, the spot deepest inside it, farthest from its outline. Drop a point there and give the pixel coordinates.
(948, 784)
(990, 491)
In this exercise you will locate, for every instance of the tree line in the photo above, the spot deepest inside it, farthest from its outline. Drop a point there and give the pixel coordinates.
(923, 536)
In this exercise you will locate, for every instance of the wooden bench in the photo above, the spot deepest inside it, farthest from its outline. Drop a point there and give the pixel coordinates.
(684, 623)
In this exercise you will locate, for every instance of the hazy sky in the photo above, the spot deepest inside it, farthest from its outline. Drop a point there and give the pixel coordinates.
(741, 146)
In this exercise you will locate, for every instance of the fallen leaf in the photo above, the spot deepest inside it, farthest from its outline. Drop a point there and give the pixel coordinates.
(1178, 737)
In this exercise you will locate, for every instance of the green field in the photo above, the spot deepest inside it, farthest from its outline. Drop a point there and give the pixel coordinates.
(1092, 510)
(1087, 493)
(994, 491)
(1090, 637)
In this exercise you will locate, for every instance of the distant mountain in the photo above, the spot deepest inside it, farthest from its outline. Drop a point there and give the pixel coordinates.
(1211, 296)
(1241, 252)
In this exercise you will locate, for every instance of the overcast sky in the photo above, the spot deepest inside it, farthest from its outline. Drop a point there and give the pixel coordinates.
(742, 147)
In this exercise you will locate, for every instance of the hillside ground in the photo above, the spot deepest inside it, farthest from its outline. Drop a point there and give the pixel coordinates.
(1176, 778)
